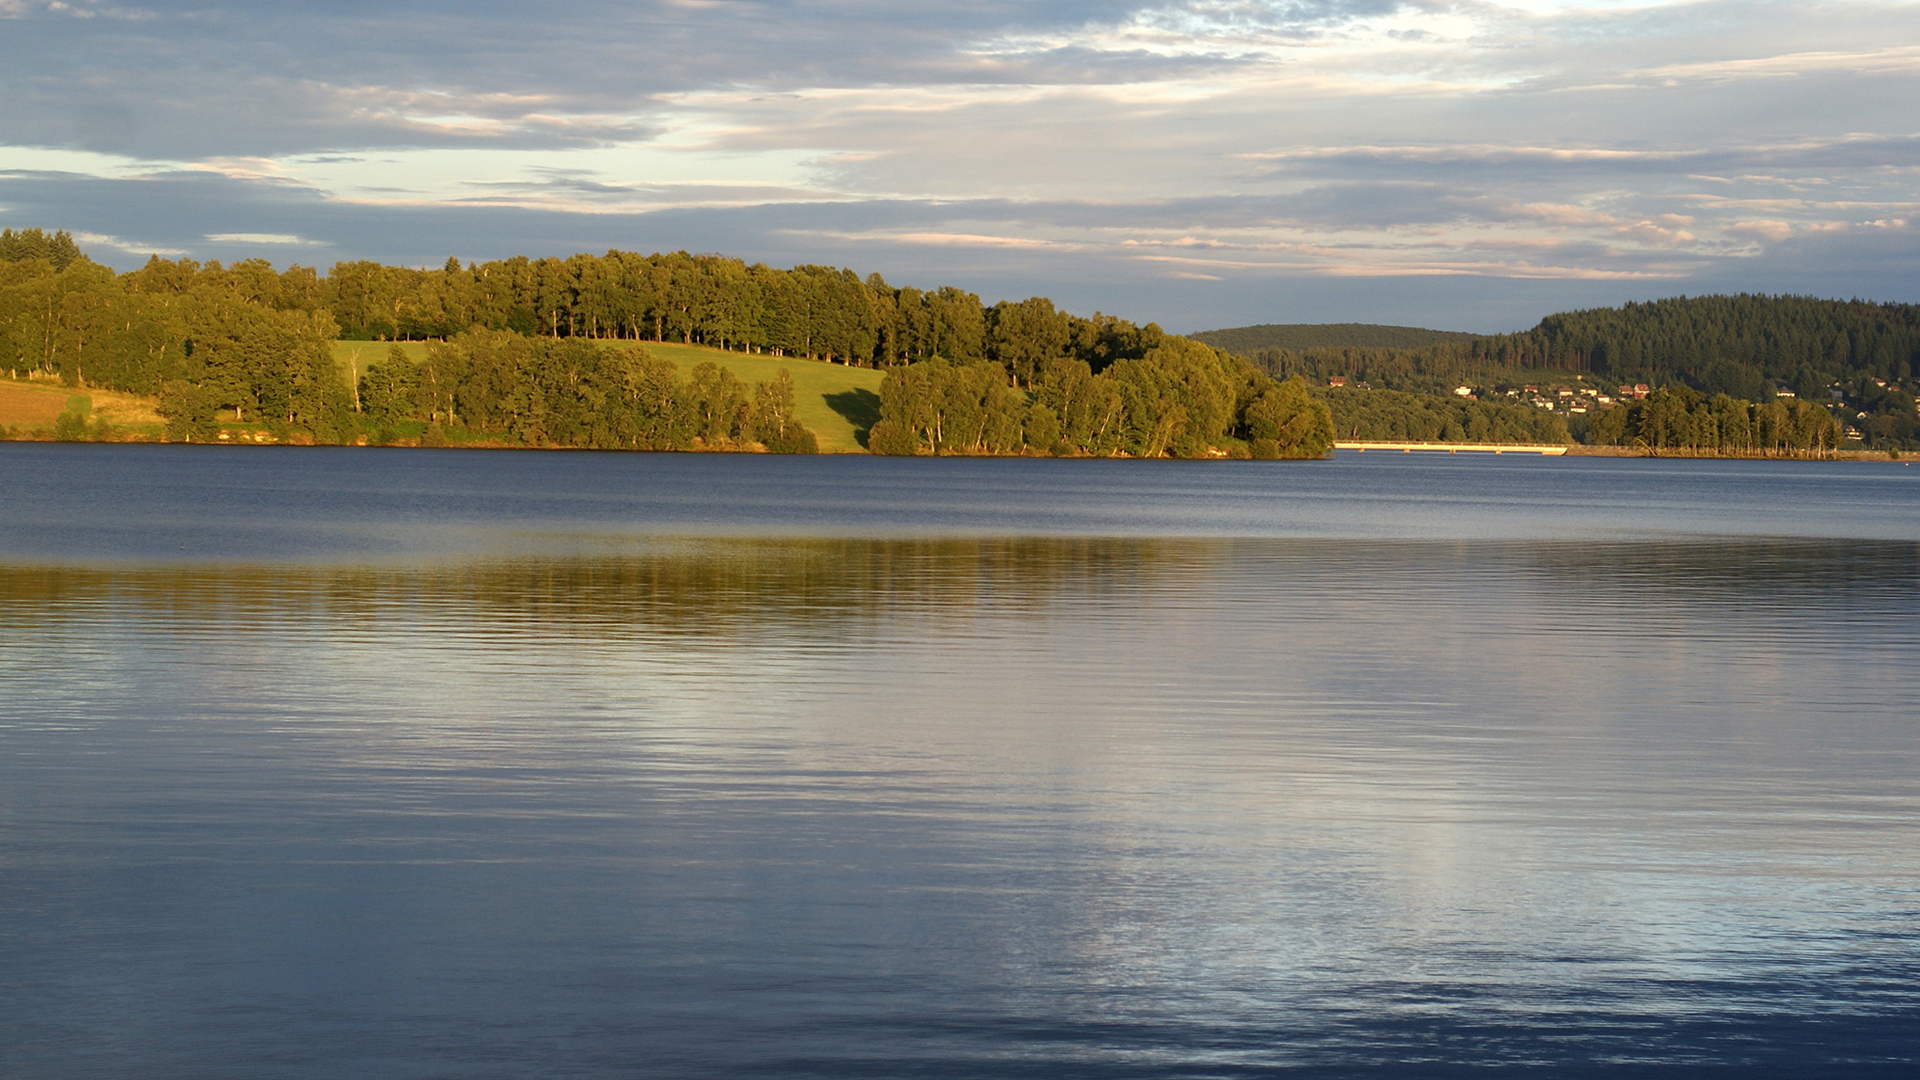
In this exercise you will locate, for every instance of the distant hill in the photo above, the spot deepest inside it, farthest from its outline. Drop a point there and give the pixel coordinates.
(1301, 336)
(1859, 357)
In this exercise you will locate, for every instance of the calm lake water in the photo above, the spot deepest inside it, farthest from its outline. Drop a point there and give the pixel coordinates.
(325, 763)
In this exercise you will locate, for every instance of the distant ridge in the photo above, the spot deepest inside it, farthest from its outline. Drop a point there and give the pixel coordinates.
(1297, 336)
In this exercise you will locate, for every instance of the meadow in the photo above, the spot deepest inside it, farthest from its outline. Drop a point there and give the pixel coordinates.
(839, 403)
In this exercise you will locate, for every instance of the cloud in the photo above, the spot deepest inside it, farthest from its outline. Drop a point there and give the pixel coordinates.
(1886, 248)
(1764, 232)
(939, 239)
(1842, 150)
(92, 242)
(327, 76)
(262, 239)
(1183, 155)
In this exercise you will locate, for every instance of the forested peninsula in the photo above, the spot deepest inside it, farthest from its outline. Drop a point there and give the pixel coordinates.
(703, 352)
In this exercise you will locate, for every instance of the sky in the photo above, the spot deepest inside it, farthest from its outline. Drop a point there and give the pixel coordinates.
(1198, 163)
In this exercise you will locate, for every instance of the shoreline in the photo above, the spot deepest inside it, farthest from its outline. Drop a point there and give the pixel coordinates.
(1578, 450)
(1572, 450)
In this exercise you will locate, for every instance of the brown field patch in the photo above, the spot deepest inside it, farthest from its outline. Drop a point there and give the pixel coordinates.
(28, 406)
(34, 405)
(122, 410)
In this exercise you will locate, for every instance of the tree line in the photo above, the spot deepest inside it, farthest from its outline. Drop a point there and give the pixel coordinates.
(1682, 419)
(56, 248)
(541, 392)
(1400, 416)
(498, 385)
(1180, 399)
(816, 312)
(75, 316)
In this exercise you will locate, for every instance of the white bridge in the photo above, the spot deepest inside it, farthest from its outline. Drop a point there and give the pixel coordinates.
(1455, 447)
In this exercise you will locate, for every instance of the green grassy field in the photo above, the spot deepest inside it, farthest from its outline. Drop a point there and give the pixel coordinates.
(838, 403)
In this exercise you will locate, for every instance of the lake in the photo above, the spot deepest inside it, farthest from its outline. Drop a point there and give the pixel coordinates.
(409, 763)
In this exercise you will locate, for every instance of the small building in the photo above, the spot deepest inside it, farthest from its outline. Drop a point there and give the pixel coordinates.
(1336, 380)
(1463, 391)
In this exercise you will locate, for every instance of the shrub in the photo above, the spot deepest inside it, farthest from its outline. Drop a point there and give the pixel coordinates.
(888, 437)
(71, 424)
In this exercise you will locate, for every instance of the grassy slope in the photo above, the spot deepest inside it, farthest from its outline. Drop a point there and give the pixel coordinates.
(838, 403)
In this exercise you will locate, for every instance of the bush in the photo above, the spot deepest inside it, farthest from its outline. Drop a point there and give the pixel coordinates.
(793, 438)
(888, 437)
(71, 424)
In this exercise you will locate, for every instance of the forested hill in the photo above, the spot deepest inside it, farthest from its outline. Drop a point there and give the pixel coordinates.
(1746, 346)
(1297, 336)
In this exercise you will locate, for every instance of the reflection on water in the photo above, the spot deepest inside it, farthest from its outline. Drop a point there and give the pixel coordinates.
(1046, 806)
(704, 587)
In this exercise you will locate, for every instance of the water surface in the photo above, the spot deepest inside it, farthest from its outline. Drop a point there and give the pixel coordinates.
(322, 763)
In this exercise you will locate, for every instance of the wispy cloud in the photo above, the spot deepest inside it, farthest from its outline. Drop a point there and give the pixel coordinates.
(267, 239)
